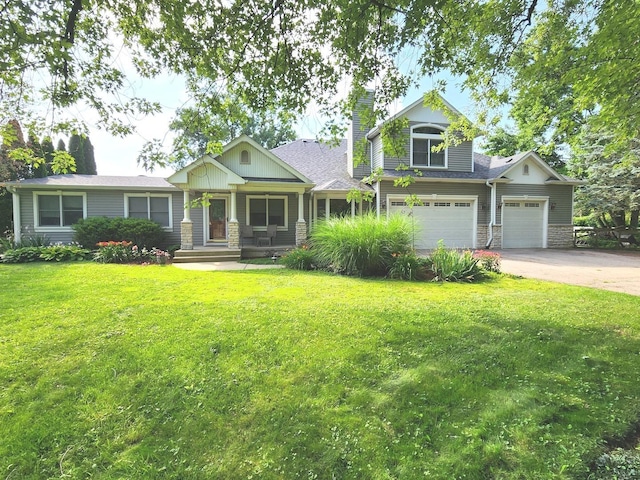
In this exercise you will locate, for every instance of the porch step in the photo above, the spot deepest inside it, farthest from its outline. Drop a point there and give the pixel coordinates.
(214, 254)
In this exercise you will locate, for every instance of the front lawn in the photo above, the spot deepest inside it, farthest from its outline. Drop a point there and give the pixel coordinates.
(110, 371)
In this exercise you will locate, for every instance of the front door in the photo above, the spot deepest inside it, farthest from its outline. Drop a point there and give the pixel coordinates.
(218, 219)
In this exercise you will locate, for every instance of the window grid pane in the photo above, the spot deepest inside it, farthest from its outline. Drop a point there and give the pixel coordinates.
(420, 151)
(276, 211)
(138, 207)
(49, 210)
(160, 210)
(437, 158)
(72, 210)
(258, 212)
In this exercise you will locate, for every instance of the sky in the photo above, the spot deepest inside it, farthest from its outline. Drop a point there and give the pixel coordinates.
(118, 156)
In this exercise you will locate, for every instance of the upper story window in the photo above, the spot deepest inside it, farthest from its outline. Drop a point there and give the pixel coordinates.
(525, 169)
(423, 139)
(152, 207)
(60, 209)
(245, 158)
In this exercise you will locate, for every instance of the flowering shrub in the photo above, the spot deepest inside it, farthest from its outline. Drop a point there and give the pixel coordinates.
(127, 252)
(490, 261)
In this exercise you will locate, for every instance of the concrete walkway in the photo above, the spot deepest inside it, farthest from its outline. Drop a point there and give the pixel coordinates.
(208, 266)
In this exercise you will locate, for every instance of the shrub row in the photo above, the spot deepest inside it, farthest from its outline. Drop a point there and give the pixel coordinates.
(139, 231)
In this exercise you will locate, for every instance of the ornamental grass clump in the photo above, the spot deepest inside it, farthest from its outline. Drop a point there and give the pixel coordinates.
(360, 246)
(300, 258)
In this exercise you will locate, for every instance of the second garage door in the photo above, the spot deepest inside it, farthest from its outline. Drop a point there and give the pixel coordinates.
(450, 220)
(523, 224)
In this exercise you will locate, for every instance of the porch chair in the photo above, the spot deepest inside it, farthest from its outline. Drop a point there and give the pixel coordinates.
(271, 233)
(246, 232)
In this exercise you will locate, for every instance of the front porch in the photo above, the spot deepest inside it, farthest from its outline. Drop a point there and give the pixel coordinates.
(223, 253)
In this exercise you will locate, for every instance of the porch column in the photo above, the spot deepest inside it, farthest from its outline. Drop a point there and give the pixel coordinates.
(233, 214)
(353, 208)
(234, 226)
(17, 223)
(327, 206)
(186, 226)
(301, 224)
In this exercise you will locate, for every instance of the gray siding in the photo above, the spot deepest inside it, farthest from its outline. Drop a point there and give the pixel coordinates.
(108, 203)
(561, 195)
(357, 132)
(460, 157)
(376, 146)
(429, 188)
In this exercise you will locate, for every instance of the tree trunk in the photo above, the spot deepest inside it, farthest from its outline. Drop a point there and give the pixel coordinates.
(633, 223)
(618, 218)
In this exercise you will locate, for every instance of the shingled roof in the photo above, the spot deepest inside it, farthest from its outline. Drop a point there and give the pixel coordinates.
(323, 164)
(98, 181)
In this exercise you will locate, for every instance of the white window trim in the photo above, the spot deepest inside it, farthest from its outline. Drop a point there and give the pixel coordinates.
(149, 196)
(36, 210)
(427, 136)
(261, 228)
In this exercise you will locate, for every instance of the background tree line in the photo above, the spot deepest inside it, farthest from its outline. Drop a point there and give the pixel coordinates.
(42, 161)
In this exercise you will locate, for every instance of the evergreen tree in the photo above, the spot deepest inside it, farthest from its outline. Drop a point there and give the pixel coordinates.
(10, 170)
(47, 153)
(36, 171)
(76, 150)
(89, 158)
(61, 146)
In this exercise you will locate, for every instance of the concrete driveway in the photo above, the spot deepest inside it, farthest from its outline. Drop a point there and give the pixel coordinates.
(616, 271)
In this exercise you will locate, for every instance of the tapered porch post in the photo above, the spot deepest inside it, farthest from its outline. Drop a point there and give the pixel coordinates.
(186, 226)
(234, 226)
(301, 224)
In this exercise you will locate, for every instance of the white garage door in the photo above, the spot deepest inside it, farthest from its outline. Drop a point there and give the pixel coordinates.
(451, 221)
(522, 224)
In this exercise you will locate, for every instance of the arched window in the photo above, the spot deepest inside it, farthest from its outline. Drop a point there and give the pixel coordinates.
(423, 139)
(525, 169)
(245, 158)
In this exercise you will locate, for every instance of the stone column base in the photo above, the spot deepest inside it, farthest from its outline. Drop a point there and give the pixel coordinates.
(186, 235)
(560, 236)
(497, 237)
(301, 233)
(233, 235)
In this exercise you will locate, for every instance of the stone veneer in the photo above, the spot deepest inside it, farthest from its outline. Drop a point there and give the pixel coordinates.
(497, 237)
(301, 232)
(481, 238)
(186, 235)
(560, 236)
(233, 234)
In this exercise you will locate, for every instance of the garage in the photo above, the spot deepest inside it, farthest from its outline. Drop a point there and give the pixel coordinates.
(523, 223)
(452, 220)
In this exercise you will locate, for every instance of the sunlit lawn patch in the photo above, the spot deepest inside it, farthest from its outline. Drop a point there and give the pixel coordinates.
(150, 372)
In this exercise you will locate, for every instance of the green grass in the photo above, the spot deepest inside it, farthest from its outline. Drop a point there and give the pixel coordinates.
(110, 371)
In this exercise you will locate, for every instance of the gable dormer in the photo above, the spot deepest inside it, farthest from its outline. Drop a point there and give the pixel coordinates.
(425, 129)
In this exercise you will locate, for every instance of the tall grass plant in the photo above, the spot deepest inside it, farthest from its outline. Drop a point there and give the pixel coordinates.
(361, 246)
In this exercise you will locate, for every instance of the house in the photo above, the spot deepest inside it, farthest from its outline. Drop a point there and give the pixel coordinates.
(467, 200)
